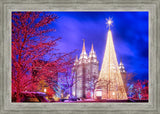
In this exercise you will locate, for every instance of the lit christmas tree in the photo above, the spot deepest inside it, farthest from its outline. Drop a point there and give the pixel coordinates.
(110, 81)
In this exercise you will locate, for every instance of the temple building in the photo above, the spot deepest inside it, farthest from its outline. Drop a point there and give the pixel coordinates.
(86, 72)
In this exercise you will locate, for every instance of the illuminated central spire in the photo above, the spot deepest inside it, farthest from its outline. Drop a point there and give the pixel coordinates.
(83, 57)
(110, 80)
(84, 49)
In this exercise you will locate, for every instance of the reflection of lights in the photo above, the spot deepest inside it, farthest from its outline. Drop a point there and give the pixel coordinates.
(45, 90)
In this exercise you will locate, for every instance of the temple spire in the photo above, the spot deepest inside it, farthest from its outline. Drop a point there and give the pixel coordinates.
(83, 54)
(92, 47)
(92, 54)
(121, 67)
(83, 49)
(76, 60)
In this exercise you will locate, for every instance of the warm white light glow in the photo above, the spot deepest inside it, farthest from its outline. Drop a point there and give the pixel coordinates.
(45, 90)
(98, 93)
(109, 22)
(74, 93)
(113, 93)
(110, 76)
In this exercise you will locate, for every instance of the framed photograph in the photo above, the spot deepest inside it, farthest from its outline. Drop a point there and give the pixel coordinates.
(78, 57)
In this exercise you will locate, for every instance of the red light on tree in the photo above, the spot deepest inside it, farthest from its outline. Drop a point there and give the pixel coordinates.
(31, 43)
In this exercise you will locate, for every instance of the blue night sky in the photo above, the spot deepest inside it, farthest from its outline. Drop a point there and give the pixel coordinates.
(129, 30)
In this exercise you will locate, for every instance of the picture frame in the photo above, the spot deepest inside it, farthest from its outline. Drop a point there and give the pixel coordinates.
(153, 7)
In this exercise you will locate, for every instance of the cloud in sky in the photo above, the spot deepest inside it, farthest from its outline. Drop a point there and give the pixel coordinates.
(130, 36)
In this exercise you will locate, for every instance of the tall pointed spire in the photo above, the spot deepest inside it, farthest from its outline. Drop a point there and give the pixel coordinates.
(110, 79)
(76, 60)
(83, 56)
(92, 53)
(92, 47)
(121, 67)
(83, 49)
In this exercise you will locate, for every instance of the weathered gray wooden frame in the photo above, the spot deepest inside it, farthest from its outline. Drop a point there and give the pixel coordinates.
(152, 6)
